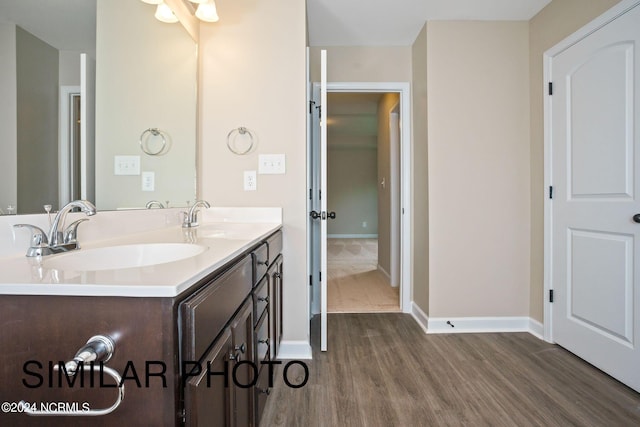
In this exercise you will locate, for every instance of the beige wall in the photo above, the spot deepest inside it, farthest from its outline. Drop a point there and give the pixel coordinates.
(145, 78)
(352, 185)
(37, 112)
(363, 63)
(420, 179)
(479, 204)
(558, 20)
(8, 113)
(385, 106)
(253, 75)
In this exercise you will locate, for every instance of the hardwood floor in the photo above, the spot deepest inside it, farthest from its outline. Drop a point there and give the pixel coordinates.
(382, 370)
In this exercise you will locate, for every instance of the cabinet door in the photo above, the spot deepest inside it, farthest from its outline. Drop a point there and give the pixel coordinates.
(275, 305)
(243, 374)
(208, 400)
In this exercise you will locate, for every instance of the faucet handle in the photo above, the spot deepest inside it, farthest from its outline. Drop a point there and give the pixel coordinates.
(38, 235)
(71, 232)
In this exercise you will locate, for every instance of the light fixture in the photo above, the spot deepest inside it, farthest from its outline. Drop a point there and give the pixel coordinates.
(165, 14)
(153, 1)
(206, 10)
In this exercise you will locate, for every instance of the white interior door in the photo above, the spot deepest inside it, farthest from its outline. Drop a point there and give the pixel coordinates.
(595, 156)
(87, 128)
(323, 200)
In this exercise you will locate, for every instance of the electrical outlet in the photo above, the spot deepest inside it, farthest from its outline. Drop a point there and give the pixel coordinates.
(250, 179)
(148, 181)
(126, 165)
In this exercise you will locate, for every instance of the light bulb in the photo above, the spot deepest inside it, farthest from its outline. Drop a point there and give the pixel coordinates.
(196, 1)
(207, 12)
(152, 1)
(165, 14)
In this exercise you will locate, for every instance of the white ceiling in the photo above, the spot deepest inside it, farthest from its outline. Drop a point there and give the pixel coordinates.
(63, 24)
(398, 22)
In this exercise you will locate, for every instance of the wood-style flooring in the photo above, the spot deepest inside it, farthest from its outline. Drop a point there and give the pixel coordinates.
(383, 370)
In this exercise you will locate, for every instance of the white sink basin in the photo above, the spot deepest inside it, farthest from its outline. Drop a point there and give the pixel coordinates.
(125, 256)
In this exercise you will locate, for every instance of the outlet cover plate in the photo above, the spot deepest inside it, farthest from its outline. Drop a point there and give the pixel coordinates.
(250, 181)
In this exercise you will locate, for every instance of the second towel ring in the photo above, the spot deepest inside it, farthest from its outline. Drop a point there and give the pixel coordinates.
(144, 141)
(231, 137)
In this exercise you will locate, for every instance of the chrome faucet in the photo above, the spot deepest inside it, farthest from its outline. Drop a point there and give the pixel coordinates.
(191, 217)
(153, 203)
(58, 241)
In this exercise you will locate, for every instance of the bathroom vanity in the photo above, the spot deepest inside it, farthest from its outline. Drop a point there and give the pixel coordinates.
(193, 336)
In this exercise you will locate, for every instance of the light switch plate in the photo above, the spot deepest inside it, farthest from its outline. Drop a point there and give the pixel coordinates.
(270, 164)
(126, 165)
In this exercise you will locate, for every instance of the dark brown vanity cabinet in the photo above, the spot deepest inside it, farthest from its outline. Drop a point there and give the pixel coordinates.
(232, 345)
(193, 359)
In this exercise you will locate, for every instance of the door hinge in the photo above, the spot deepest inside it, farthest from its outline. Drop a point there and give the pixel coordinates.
(311, 194)
(320, 276)
(550, 88)
(551, 191)
(550, 295)
(311, 104)
(319, 107)
(311, 280)
(319, 194)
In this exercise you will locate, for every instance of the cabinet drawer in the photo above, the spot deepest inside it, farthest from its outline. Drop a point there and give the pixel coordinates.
(262, 339)
(205, 314)
(275, 245)
(260, 299)
(260, 262)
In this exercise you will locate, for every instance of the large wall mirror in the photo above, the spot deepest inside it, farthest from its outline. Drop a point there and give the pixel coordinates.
(102, 102)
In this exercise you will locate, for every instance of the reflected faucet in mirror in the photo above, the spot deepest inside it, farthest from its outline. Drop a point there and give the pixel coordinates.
(150, 204)
(59, 239)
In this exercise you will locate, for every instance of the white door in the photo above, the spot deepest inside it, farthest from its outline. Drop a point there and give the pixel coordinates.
(595, 156)
(87, 128)
(318, 215)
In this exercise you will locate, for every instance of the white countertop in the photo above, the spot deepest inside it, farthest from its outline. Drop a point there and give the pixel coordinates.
(224, 233)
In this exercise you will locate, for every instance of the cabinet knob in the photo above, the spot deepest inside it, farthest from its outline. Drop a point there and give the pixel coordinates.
(241, 348)
(265, 263)
(277, 275)
(266, 391)
(264, 299)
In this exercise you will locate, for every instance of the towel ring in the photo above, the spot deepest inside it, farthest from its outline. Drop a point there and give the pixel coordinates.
(144, 141)
(231, 141)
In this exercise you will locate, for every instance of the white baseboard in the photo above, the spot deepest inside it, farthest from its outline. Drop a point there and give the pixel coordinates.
(295, 350)
(460, 325)
(420, 316)
(352, 236)
(536, 328)
(384, 273)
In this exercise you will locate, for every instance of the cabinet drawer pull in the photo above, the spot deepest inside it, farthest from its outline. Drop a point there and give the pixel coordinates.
(264, 299)
(265, 263)
(266, 391)
(277, 275)
(266, 341)
(241, 348)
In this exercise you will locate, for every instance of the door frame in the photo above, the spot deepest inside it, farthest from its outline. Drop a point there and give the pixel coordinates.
(604, 19)
(65, 145)
(403, 90)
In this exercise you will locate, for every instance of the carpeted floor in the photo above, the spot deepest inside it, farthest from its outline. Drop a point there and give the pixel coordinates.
(355, 284)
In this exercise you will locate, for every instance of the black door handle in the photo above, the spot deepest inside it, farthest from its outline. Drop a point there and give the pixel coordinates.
(314, 214)
(636, 218)
(332, 215)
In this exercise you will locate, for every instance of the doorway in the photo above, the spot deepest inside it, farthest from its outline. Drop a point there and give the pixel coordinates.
(402, 196)
(363, 185)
